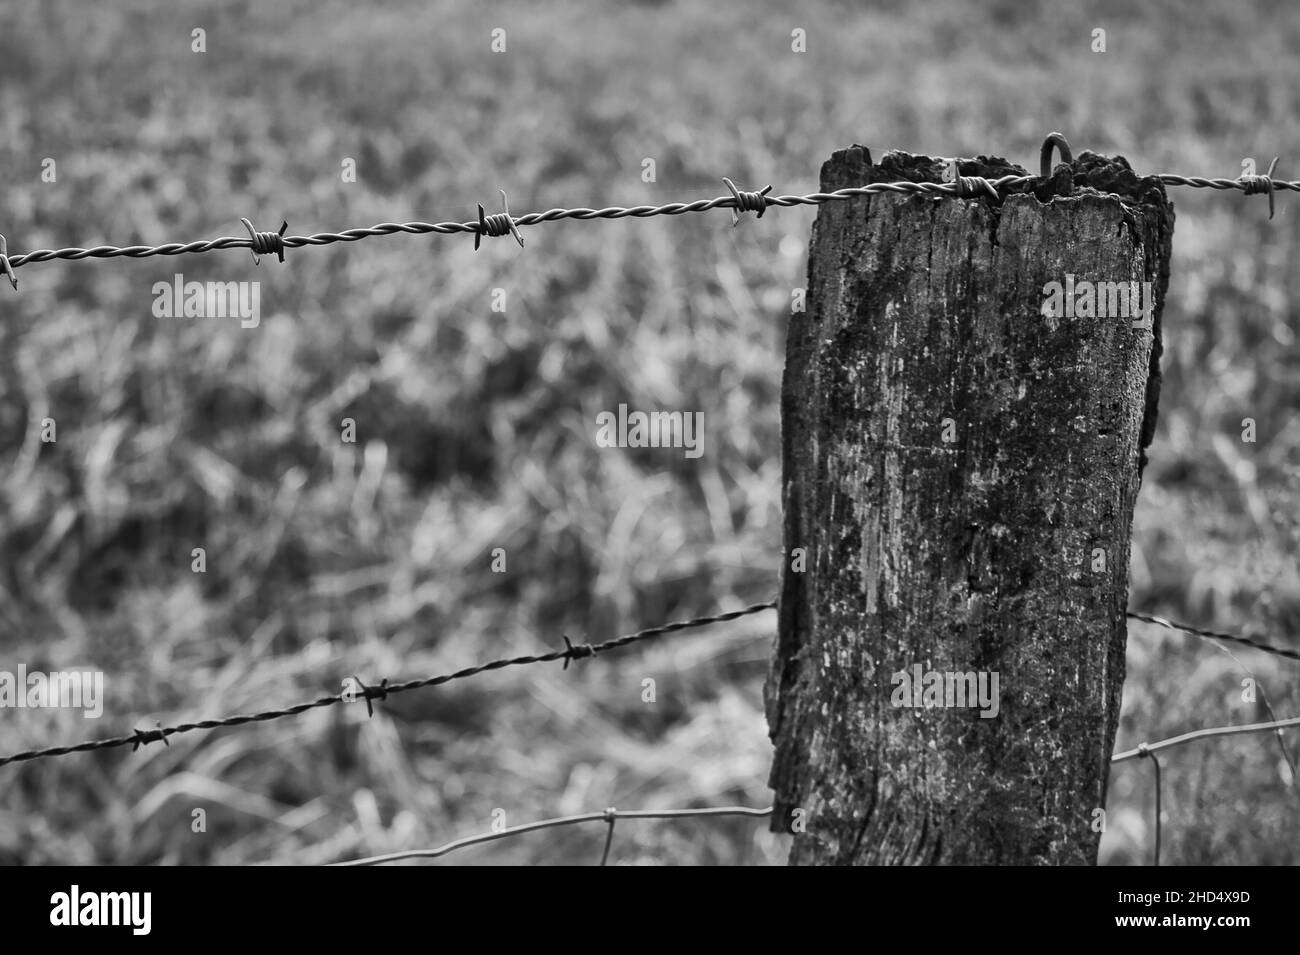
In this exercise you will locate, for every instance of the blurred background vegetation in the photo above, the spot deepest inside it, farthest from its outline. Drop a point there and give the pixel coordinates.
(475, 429)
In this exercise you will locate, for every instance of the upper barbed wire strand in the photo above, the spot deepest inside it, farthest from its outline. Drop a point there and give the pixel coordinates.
(609, 212)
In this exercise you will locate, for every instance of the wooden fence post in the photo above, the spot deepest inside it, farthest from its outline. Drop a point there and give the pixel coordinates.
(962, 450)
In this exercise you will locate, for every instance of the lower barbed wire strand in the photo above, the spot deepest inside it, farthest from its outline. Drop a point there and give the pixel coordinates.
(1215, 635)
(145, 736)
(571, 652)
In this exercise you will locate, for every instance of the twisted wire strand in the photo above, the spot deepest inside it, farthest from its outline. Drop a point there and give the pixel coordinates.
(607, 816)
(497, 223)
(384, 690)
(1214, 635)
(1249, 185)
(570, 653)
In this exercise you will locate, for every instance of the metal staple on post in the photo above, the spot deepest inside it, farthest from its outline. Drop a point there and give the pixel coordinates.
(1045, 154)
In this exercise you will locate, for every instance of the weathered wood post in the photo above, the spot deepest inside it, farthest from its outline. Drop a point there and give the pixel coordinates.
(962, 453)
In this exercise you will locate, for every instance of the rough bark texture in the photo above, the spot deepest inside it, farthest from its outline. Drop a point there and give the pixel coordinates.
(975, 554)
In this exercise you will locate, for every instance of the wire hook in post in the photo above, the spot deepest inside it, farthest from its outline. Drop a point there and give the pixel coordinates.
(4, 264)
(1254, 185)
(746, 201)
(499, 223)
(1045, 155)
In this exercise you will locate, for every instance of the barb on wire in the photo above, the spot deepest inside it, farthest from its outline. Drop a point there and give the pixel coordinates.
(497, 224)
(1257, 184)
(503, 223)
(746, 201)
(372, 693)
(1215, 635)
(607, 817)
(384, 690)
(5, 265)
(265, 243)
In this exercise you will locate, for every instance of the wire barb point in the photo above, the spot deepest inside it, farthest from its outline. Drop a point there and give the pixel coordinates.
(572, 652)
(145, 737)
(265, 243)
(1254, 185)
(497, 224)
(4, 263)
(372, 692)
(746, 201)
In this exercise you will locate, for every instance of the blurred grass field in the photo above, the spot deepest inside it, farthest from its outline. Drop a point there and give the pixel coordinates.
(475, 428)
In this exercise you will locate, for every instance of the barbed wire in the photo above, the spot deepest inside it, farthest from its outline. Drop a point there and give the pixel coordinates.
(575, 652)
(608, 817)
(1215, 635)
(1268, 708)
(384, 689)
(571, 652)
(503, 223)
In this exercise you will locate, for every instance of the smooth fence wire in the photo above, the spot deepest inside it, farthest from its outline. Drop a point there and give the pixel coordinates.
(1146, 749)
(608, 817)
(1149, 750)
